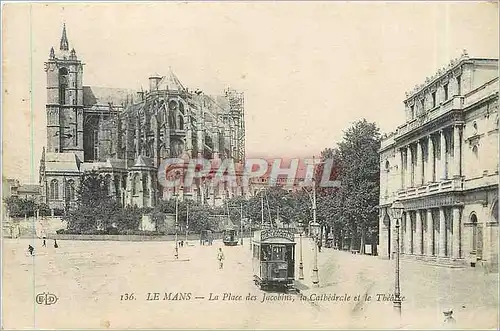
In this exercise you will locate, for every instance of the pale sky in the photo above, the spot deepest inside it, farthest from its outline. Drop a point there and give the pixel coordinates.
(308, 69)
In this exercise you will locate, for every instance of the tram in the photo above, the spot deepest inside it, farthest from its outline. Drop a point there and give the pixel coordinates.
(230, 237)
(273, 259)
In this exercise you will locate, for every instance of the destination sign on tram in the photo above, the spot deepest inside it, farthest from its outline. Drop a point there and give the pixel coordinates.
(276, 233)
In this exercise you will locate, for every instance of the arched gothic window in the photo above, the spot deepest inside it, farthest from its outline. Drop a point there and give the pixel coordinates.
(54, 189)
(181, 122)
(135, 184)
(70, 190)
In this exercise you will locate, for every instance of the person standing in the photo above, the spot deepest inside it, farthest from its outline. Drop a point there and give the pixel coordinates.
(55, 244)
(31, 249)
(220, 258)
(44, 244)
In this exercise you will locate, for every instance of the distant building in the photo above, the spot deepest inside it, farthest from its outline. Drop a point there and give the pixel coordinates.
(125, 135)
(12, 188)
(442, 164)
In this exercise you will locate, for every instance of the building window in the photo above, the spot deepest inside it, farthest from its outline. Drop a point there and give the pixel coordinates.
(412, 112)
(63, 85)
(135, 184)
(145, 184)
(54, 190)
(433, 99)
(459, 85)
(422, 105)
(96, 144)
(70, 190)
(473, 219)
(475, 152)
(445, 88)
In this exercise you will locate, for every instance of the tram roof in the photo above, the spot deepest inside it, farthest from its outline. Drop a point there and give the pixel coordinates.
(274, 236)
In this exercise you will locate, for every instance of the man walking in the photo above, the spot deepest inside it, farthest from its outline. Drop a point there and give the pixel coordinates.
(220, 258)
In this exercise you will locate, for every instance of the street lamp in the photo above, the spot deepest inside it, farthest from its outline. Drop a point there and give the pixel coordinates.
(396, 211)
(315, 277)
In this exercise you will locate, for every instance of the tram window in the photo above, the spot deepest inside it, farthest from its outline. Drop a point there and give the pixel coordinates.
(256, 251)
(289, 253)
(278, 253)
(266, 253)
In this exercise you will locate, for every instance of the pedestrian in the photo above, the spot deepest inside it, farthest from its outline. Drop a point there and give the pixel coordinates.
(44, 244)
(31, 249)
(319, 245)
(220, 258)
(55, 244)
(449, 321)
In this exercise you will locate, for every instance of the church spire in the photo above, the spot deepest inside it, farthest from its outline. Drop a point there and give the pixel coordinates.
(64, 40)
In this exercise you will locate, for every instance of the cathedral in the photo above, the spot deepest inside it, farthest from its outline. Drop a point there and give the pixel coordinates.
(125, 135)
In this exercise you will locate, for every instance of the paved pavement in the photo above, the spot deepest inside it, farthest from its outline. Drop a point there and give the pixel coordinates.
(428, 290)
(90, 279)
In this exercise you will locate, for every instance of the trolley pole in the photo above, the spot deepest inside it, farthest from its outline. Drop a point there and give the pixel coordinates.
(261, 211)
(187, 222)
(241, 223)
(301, 265)
(251, 234)
(315, 276)
(176, 225)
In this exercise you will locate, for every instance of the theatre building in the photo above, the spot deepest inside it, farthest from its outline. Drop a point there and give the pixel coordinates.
(442, 165)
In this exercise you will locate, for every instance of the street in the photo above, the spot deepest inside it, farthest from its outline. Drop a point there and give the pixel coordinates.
(93, 281)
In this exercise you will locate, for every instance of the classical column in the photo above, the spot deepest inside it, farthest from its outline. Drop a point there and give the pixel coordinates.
(443, 155)
(408, 167)
(442, 233)
(456, 233)
(429, 240)
(430, 160)
(418, 235)
(401, 152)
(456, 151)
(402, 229)
(418, 165)
(409, 233)
(383, 236)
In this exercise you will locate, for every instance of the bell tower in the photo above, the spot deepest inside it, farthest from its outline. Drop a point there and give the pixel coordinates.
(64, 100)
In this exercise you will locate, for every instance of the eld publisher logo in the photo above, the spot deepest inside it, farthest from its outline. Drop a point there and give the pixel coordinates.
(46, 298)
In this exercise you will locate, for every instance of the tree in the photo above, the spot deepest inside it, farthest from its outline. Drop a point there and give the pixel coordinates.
(20, 207)
(94, 205)
(359, 178)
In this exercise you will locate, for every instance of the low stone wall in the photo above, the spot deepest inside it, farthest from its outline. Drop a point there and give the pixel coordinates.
(195, 237)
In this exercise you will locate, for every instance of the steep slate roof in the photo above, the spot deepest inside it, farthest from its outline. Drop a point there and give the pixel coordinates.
(93, 95)
(170, 82)
(62, 162)
(143, 161)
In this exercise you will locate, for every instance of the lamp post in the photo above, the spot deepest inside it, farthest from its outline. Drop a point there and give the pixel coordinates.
(397, 212)
(315, 276)
(301, 265)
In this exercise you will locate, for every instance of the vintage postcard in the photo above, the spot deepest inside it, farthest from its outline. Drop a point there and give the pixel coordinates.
(250, 165)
